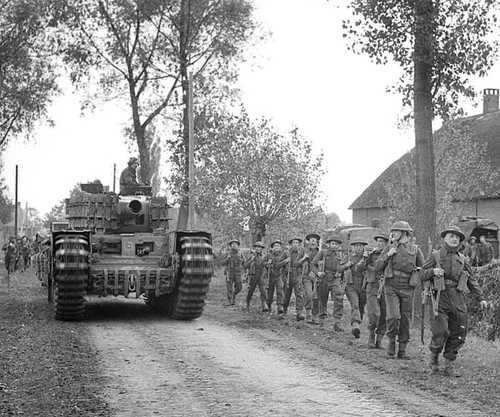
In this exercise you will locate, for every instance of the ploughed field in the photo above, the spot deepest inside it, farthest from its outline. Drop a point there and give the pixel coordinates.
(125, 360)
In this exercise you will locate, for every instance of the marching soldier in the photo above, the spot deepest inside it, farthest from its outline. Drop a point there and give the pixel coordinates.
(256, 275)
(485, 251)
(375, 300)
(276, 267)
(399, 262)
(309, 279)
(449, 327)
(234, 268)
(296, 256)
(10, 256)
(354, 285)
(328, 269)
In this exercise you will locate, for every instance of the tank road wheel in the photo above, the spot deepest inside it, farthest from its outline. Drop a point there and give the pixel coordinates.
(71, 264)
(195, 273)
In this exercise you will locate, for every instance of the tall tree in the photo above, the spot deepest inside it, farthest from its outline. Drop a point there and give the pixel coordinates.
(439, 45)
(145, 50)
(27, 66)
(250, 171)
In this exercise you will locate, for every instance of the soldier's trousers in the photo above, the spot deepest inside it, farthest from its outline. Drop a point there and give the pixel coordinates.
(357, 300)
(255, 281)
(233, 285)
(311, 301)
(375, 309)
(275, 283)
(295, 286)
(398, 310)
(449, 328)
(334, 288)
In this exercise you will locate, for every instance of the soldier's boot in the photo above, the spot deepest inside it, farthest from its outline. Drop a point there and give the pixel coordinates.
(371, 339)
(450, 369)
(434, 362)
(315, 319)
(355, 330)
(391, 348)
(264, 307)
(402, 352)
(280, 310)
(337, 327)
(309, 316)
(268, 308)
(378, 341)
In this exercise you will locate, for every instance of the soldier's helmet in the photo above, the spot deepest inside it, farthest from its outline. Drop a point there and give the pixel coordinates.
(133, 161)
(334, 238)
(358, 241)
(274, 242)
(259, 244)
(298, 239)
(381, 236)
(234, 241)
(313, 236)
(402, 226)
(455, 230)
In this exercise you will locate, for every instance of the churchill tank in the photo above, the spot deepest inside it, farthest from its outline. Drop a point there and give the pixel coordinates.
(126, 245)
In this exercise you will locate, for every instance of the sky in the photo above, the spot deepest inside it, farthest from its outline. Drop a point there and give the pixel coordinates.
(302, 76)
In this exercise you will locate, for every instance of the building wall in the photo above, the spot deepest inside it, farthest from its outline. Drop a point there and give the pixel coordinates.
(365, 216)
(489, 209)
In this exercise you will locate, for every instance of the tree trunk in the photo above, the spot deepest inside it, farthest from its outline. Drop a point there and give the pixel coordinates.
(183, 63)
(423, 60)
(258, 227)
(140, 133)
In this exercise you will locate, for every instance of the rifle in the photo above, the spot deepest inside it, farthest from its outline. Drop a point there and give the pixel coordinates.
(438, 285)
(425, 293)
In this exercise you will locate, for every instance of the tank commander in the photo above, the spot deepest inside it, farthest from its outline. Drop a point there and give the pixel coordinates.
(128, 176)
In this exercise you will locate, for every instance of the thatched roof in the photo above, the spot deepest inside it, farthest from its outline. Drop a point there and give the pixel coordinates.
(485, 128)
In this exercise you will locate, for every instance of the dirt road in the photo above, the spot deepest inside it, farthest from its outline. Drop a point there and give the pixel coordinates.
(124, 360)
(215, 366)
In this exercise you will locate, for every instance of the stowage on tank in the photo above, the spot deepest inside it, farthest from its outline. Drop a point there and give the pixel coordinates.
(124, 245)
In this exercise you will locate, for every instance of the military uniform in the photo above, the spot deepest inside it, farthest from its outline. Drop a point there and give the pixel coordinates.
(449, 328)
(398, 291)
(485, 253)
(296, 259)
(354, 290)
(10, 256)
(129, 175)
(234, 268)
(309, 281)
(276, 264)
(256, 267)
(330, 283)
(375, 301)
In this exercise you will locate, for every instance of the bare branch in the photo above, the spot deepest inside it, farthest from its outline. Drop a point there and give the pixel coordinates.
(162, 105)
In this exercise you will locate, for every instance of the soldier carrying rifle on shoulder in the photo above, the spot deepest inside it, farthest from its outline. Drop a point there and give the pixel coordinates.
(309, 279)
(375, 300)
(399, 262)
(448, 277)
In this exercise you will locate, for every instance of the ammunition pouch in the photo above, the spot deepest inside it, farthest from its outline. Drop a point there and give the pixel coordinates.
(414, 279)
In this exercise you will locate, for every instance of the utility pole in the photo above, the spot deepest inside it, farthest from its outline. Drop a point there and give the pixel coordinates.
(16, 203)
(191, 220)
(114, 177)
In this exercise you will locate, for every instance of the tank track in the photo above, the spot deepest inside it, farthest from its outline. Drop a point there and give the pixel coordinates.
(196, 270)
(71, 266)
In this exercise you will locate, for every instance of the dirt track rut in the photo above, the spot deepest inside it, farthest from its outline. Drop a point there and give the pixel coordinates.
(154, 366)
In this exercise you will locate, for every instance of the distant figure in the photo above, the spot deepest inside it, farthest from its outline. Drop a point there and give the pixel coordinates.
(10, 250)
(129, 175)
(485, 251)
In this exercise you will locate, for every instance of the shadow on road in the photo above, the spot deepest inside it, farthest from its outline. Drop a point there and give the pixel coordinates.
(120, 309)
